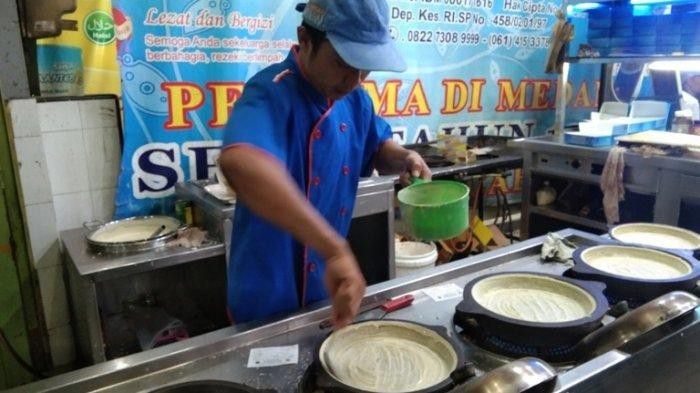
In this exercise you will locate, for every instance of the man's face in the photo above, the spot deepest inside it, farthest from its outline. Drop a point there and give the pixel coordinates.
(326, 70)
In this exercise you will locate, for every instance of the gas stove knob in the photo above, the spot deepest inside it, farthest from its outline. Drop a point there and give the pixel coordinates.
(576, 164)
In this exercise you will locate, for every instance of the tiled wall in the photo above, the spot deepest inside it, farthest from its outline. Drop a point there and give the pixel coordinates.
(68, 153)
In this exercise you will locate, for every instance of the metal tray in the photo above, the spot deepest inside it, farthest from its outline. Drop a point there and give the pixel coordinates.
(172, 226)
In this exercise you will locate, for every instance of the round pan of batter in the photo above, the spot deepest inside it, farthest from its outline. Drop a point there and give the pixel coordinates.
(133, 234)
(391, 356)
(533, 309)
(656, 236)
(636, 274)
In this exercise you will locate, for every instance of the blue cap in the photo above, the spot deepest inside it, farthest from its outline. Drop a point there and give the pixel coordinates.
(358, 31)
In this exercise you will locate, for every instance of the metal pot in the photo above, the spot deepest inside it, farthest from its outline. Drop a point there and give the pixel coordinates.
(348, 350)
(638, 322)
(523, 375)
(435, 210)
(501, 303)
(610, 264)
(132, 234)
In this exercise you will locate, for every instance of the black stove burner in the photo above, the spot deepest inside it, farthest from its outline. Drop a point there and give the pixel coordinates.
(435, 161)
(209, 386)
(431, 155)
(308, 380)
(631, 303)
(315, 381)
(475, 334)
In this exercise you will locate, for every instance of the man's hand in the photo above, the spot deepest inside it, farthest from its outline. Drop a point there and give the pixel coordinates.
(414, 166)
(346, 285)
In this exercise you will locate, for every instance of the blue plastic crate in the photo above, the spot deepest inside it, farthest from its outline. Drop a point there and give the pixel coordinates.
(668, 49)
(690, 39)
(668, 24)
(654, 124)
(622, 15)
(625, 41)
(690, 20)
(668, 39)
(575, 138)
(644, 27)
(598, 33)
(619, 130)
(607, 127)
(672, 29)
(599, 23)
(691, 49)
(642, 40)
(690, 30)
(659, 123)
(600, 12)
(633, 50)
(635, 127)
(621, 31)
(602, 45)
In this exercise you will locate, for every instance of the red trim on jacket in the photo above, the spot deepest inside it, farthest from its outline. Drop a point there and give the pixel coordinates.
(309, 179)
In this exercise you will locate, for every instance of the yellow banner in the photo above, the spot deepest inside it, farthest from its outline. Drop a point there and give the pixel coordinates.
(85, 61)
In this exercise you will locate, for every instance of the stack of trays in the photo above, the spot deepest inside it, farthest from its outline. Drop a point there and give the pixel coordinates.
(599, 27)
(624, 37)
(601, 133)
(690, 32)
(617, 31)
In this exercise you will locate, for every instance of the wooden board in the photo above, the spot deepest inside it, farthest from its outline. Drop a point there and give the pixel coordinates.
(662, 138)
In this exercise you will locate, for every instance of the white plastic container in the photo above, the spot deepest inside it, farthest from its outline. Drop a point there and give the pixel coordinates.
(411, 257)
(611, 127)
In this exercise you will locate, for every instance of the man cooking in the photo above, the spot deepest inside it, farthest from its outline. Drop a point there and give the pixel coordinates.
(299, 139)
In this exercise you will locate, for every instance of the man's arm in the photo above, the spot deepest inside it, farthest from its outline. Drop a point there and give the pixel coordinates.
(263, 184)
(392, 158)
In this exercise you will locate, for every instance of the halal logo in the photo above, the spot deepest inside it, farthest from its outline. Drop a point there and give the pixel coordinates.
(99, 27)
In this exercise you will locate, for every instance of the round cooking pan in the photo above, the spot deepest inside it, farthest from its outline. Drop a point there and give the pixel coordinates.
(534, 309)
(390, 356)
(209, 386)
(435, 210)
(657, 236)
(133, 234)
(634, 273)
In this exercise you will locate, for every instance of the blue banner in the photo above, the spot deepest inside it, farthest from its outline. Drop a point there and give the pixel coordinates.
(474, 67)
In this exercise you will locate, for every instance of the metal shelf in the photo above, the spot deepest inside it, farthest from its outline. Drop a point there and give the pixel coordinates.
(590, 179)
(568, 218)
(630, 58)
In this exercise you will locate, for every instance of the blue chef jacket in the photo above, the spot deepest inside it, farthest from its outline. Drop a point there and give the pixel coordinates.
(326, 146)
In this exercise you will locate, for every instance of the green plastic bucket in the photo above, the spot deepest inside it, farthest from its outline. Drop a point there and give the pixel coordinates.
(435, 210)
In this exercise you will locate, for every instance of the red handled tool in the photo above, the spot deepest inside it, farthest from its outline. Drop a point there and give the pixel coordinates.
(387, 306)
(397, 303)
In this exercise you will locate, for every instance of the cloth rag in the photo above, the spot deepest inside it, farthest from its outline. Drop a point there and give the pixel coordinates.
(557, 249)
(611, 183)
(562, 33)
(191, 237)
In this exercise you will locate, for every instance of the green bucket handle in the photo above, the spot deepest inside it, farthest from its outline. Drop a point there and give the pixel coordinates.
(417, 180)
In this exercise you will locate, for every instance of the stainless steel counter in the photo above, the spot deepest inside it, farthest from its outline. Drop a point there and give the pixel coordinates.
(87, 272)
(556, 144)
(669, 180)
(223, 354)
(101, 267)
